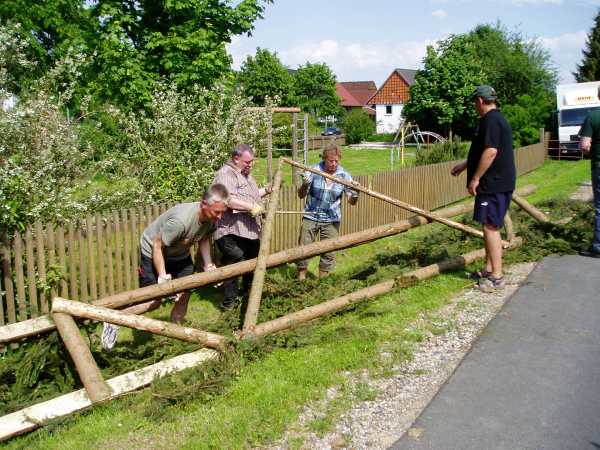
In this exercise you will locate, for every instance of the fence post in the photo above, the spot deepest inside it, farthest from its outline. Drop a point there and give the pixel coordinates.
(294, 147)
(270, 144)
(7, 281)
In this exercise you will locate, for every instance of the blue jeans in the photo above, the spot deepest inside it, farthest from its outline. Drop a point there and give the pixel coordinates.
(596, 188)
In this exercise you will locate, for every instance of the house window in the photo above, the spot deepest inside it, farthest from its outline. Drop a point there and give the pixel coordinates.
(388, 110)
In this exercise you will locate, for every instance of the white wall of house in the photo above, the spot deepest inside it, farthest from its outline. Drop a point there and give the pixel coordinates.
(388, 121)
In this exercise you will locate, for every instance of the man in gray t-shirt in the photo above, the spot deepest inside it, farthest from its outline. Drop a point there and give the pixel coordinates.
(165, 251)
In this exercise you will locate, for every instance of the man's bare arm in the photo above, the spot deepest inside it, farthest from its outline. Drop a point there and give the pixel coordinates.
(585, 144)
(486, 160)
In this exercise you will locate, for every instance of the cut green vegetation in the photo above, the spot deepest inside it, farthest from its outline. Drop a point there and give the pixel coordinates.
(250, 397)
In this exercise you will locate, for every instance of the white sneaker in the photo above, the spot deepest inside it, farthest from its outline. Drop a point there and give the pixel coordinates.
(109, 336)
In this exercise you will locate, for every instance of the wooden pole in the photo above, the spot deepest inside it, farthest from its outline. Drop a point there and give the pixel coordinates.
(509, 227)
(313, 312)
(86, 366)
(401, 204)
(530, 209)
(276, 109)
(270, 144)
(38, 415)
(20, 330)
(80, 309)
(261, 261)
(294, 147)
(305, 139)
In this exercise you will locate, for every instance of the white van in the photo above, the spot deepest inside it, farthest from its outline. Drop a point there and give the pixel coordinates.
(573, 102)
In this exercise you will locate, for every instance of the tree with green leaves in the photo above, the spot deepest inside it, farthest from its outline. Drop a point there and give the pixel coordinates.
(437, 99)
(512, 65)
(133, 45)
(357, 126)
(314, 90)
(263, 75)
(589, 69)
(515, 67)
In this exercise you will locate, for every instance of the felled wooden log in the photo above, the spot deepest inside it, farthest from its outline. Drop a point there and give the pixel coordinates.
(421, 212)
(263, 253)
(313, 312)
(42, 324)
(509, 227)
(86, 366)
(94, 312)
(35, 416)
(530, 209)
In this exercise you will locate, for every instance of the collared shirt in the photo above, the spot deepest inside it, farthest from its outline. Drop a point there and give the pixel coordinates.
(240, 187)
(324, 199)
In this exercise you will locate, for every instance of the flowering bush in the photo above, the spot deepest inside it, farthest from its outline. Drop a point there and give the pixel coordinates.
(175, 149)
(54, 166)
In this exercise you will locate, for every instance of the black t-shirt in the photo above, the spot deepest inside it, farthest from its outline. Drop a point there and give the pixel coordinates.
(493, 131)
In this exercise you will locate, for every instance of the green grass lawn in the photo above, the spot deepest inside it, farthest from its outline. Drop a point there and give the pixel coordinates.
(271, 383)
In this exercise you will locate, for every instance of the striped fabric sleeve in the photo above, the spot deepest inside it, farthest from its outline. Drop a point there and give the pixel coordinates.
(229, 180)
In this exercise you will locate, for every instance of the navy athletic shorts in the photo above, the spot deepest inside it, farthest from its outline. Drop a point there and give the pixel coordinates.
(147, 273)
(491, 208)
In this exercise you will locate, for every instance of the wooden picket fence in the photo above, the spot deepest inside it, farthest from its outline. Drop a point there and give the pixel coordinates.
(99, 256)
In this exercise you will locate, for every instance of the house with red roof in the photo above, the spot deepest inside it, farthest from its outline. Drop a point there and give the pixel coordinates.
(390, 98)
(356, 94)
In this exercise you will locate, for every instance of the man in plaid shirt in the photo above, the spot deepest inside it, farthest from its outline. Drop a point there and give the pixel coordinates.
(322, 213)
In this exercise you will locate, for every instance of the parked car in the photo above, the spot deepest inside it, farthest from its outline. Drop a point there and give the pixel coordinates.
(331, 131)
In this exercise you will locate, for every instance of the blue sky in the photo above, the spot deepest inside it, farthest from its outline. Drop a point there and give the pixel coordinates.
(366, 40)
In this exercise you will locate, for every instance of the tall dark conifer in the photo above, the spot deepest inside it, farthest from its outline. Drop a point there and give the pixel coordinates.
(589, 69)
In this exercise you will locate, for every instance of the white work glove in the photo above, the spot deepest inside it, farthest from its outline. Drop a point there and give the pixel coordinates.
(209, 268)
(164, 279)
(353, 196)
(257, 210)
(306, 177)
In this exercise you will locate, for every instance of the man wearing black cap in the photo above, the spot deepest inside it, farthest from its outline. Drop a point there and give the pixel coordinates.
(491, 177)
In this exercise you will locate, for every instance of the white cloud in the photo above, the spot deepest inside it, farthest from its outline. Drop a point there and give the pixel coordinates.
(565, 51)
(354, 60)
(536, 2)
(439, 14)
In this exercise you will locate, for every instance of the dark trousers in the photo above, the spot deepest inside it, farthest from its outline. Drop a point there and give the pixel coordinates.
(235, 249)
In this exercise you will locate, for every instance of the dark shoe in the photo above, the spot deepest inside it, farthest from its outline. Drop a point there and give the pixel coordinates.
(227, 304)
(590, 253)
(479, 274)
(490, 284)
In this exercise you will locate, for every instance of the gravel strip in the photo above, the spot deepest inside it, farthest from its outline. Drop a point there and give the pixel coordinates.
(378, 423)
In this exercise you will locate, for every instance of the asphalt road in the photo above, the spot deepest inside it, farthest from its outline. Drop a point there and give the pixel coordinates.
(532, 379)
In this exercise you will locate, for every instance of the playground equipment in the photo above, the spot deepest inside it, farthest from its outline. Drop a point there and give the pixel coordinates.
(407, 133)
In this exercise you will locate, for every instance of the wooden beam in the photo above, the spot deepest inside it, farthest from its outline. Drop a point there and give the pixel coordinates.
(26, 328)
(43, 324)
(421, 212)
(270, 144)
(313, 312)
(275, 109)
(509, 227)
(86, 366)
(87, 311)
(263, 253)
(36, 416)
(530, 209)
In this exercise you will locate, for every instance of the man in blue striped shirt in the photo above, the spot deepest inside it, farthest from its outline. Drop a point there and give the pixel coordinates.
(322, 213)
